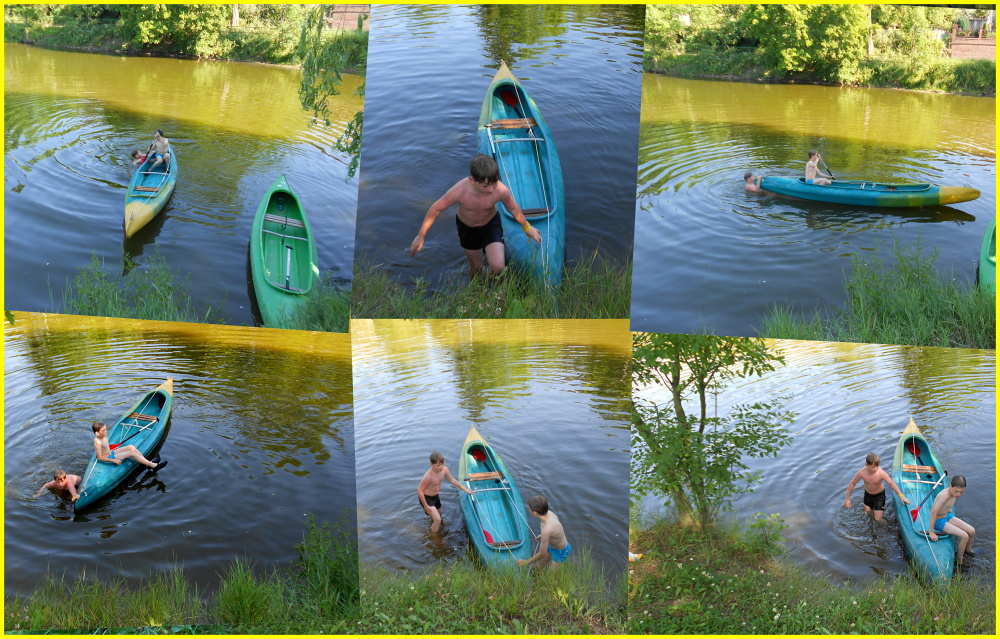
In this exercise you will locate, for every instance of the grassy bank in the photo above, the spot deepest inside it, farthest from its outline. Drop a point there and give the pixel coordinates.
(462, 598)
(320, 595)
(909, 302)
(725, 581)
(328, 309)
(593, 287)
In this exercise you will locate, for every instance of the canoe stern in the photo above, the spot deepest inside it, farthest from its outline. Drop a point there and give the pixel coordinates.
(956, 194)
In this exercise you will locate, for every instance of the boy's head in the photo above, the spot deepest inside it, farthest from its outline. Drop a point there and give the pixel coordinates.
(483, 170)
(813, 154)
(158, 133)
(747, 176)
(436, 458)
(97, 427)
(136, 154)
(873, 460)
(958, 485)
(538, 505)
(59, 475)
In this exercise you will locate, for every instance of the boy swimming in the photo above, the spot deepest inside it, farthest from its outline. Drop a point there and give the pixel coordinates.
(945, 520)
(552, 545)
(479, 227)
(751, 182)
(872, 477)
(430, 486)
(62, 483)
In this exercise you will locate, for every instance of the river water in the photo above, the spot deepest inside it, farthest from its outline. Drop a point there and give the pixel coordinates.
(709, 256)
(428, 70)
(549, 396)
(260, 436)
(70, 122)
(853, 399)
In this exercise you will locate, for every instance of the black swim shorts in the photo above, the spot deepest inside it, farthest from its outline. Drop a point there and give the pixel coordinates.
(476, 238)
(434, 501)
(875, 502)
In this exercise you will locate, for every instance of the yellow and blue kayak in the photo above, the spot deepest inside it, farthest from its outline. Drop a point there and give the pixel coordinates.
(148, 192)
(862, 193)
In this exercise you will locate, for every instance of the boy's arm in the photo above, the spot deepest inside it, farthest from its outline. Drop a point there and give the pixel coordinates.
(934, 513)
(44, 487)
(850, 488)
(441, 204)
(895, 488)
(99, 452)
(420, 492)
(515, 210)
(455, 482)
(543, 547)
(72, 487)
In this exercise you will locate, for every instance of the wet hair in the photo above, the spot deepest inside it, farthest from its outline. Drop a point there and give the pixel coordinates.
(436, 457)
(539, 504)
(59, 474)
(96, 426)
(747, 176)
(136, 153)
(872, 459)
(483, 169)
(813, 154)
(958, 481)
(159, 132)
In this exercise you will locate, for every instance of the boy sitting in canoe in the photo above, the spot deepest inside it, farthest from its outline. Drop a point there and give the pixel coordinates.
(945, 520)
(116, 454)
(62, 483)
(160, 149)
(430, 486)
(872, 477)
(813, 173)
(479, 227)
(751, 182)
(552, 545)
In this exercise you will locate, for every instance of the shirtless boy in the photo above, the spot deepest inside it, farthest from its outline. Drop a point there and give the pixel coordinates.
(430, 486)
(63, 484)
(813, 173)
(479, 227)
(119, 454)
(160, 149)
(552, 545)
(751, 182)
(872, 477)
(945, 520)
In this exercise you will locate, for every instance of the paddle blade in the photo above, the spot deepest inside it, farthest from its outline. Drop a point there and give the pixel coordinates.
(912, 447)
(913, 514)
(113, 446)
(488, 536)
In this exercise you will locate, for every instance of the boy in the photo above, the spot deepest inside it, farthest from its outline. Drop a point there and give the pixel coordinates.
(552, 545)
(813, 174)
(63, 484)
(751, 182)
(138, 157)
(945, 520)
(430, 486)
(160, 150)
(120, 453)
(479, 227)
(872, 477)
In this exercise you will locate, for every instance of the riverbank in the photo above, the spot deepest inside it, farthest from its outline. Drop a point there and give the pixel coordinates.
(727, 581)
(594, 287)
(908, 302)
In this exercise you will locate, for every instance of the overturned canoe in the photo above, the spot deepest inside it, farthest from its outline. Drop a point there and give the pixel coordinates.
(512, 132)
(986, 272)
(495, 515)
(142, 426)
(148, 192)
(860, 193)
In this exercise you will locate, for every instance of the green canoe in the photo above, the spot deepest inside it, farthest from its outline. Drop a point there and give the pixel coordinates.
(986, 272)
(282, 256)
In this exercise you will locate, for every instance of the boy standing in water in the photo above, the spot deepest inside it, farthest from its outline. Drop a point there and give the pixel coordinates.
(872, 477)
(430, 486)
(479, 227)
(945, 520)
(813, 173)
(552, 545)
(63, 484)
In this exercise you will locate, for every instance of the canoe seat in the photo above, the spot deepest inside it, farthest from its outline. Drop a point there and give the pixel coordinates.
(145, 418)
(151, 189)
(284, 221)
(506, 544)
(514, 123)
(483, 476)
(534, 212)
(911, 468)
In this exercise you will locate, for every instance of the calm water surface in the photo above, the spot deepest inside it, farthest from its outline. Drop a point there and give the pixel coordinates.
(261, 434)
(853, 399)
(709, 256)
(428, 70)
(548, 396)
(71, 120)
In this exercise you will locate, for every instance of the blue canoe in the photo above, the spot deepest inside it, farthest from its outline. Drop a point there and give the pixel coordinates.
(860, 193)
(142, 426)
(148, 192)
(916, 472)
(512, 132)
(495, 516)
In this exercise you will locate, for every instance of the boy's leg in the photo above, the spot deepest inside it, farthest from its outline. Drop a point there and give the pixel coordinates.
(878, 514)
(475, 262)
(969, 530)
(960, 536)
(495, 257)
(126, 452)
(435, 518)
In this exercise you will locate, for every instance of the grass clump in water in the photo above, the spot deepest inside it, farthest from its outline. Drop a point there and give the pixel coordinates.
(728, 581)
(593, 287)
(328, 309)
(909, 303)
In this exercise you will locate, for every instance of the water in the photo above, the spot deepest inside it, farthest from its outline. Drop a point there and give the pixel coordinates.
(709, 256)
(548, 396)
(428, 70)
(71, 121)
(853, 399)
(261, 434)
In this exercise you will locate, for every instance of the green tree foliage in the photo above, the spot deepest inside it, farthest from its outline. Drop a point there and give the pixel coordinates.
(189, 29)
(698, 460)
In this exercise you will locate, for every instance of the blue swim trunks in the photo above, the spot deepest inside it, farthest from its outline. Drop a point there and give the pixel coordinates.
(941, 521)
(809, 181)
(560, 555)
(111, 455)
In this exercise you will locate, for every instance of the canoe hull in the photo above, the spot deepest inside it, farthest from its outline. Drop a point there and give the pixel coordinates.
(283, 262)
(933, 560)
(142, 206)
(100, 478)
(495, 517)
(857, 193)
(986, 273)
(533, 173)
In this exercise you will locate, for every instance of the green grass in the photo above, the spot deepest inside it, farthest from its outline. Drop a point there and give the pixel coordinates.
(328, 309)
(593, 287)
(911, 302)
(149, 292)
(727, 582)
(462, 597)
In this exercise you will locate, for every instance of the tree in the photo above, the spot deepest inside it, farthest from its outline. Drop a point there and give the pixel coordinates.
(697, 460)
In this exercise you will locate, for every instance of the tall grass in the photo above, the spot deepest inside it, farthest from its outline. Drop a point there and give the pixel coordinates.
(909, 302)
(328, 309)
